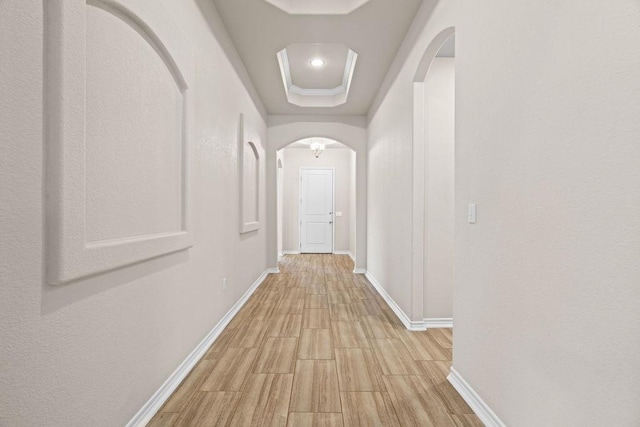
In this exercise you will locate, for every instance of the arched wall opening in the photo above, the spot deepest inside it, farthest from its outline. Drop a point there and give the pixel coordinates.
(433, 183)
(285, 130)
(336, 159)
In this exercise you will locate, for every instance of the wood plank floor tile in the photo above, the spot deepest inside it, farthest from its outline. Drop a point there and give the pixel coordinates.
(348, 334)
(377, 327)
(421, 346)
(315, 344)
(189, 386)
(307, 419)
(262, 311)
(367, 307)
(289, 306)
(284, 325)
(454, 403)
(163, 419)
(435, 369)
(294, 293)
(364, 409)
(250, 335)
(358, 370)
(277, 356)
(393, 357)
(231, 370)
(265, 401)
(317, 289)
(467, 420)
(443, 337)
(356, 294)
(415, 402)
(316, 318)
(220, 345)
(315, 301)
(339, 297)
(315, 387)
(209, 409)
(343, 313)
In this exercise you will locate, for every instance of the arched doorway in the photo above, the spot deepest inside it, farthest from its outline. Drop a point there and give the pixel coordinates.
(433, 179)
(282, 132)
(298, 160)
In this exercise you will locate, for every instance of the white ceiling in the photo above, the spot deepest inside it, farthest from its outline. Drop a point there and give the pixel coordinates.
(374, 31)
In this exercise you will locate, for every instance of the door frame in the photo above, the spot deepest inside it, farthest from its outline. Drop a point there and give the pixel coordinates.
(333, 206)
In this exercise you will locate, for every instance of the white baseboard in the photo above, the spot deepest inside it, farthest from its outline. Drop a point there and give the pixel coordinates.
(359, 271)
(438, 322)
(156, 401)
(406, 321)
(475, 402)
(273, 270)
(290, 252)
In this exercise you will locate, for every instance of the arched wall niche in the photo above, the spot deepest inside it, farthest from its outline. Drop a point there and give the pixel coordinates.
(116, 194)
(249, 154)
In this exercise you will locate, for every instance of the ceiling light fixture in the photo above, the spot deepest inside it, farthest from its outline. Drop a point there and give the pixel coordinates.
(317, 62)
(317, 146)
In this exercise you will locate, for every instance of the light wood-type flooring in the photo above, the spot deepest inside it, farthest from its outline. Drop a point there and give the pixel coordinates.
(317, 346)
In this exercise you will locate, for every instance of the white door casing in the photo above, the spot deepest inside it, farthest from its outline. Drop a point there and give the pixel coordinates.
(316, 210)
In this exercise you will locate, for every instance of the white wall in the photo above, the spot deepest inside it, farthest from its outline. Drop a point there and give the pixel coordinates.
(293, 160)
(390, 139)
(547, 283)
(93, 351)
(439, 129)
(546, 295)
(352, 202)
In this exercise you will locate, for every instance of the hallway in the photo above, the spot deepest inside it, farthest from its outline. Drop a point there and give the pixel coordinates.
(317, 346)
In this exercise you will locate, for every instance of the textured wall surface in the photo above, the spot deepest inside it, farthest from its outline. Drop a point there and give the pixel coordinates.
(340, 160)
(92, 352)
(439, 128)
(390, 138)
(547, 283)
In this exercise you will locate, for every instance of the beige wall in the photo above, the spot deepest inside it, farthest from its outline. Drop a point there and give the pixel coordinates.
(546, 291)
(92, 352)
(390, 179)
(546, 284)
(439, 152)
(341, 160)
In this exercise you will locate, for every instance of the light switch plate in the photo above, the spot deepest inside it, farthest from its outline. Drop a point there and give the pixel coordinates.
(472, 213)
(338, 213)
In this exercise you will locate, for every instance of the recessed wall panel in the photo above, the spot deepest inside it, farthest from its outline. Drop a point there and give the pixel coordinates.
(134, 133)
(120, 110)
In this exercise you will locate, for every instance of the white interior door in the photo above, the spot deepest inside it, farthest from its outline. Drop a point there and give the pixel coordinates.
(316, 211)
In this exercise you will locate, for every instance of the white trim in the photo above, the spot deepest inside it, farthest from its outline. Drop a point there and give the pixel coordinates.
(475, 402)
(156, 401)
(438, 322)
(313, 97)
(273, 270)
(359, 271)
(290, 252)
(408, 323)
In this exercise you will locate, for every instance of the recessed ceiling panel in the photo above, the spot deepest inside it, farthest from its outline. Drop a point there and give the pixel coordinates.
(327, 76)
(325, 96)
(318, 7)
